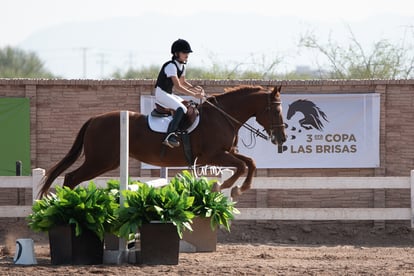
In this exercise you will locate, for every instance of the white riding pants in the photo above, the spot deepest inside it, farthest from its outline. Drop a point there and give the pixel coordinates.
(168, 100)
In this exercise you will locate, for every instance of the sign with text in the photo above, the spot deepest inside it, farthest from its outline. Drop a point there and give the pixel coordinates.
(324, 131)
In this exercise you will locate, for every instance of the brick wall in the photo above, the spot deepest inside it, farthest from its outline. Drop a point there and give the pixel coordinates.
(60, 107)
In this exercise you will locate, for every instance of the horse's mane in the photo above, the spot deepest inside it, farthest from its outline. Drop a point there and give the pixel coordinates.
(238, 89)
(247, 88)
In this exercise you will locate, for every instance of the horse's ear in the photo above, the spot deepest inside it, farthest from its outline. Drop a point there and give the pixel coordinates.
(276, 91)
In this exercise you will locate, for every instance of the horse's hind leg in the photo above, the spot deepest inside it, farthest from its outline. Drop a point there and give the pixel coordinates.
(88, 170)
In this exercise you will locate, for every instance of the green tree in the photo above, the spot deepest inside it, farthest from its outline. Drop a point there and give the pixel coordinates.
(384, 60)
(255, 68)
(150, 72)
(16, 63)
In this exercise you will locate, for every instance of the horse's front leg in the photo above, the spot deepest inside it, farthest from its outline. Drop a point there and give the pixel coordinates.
(251, 168)
(240, 162)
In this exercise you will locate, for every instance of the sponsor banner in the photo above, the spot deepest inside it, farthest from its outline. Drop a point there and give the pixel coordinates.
(324, 131)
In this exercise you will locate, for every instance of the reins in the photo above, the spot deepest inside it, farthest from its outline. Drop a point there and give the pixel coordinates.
(253, 130)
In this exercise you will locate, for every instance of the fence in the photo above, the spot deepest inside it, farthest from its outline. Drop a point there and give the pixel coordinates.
(285, 183)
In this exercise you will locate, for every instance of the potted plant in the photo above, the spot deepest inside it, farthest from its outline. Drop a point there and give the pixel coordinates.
(211, 209)
(111, 238)
(76, 221)
(161, 214)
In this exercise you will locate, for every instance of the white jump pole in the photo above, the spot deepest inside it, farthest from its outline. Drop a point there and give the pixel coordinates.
(226, 174)
(164, 172)
(123, 185)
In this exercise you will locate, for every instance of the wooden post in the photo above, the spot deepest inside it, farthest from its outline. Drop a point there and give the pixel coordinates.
(164, 173)
(226, 174)
(37, 175)
(123, 185)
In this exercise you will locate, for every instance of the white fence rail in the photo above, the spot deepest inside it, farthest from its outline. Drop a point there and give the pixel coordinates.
(292, 183)
(285, 183)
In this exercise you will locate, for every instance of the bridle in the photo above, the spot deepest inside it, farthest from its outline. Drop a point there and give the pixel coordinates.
(273, 124)
(253, 130)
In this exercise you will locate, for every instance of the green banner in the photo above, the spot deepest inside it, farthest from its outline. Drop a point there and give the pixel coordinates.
(14, 135)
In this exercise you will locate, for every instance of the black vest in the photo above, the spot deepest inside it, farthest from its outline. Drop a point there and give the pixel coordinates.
(163, 81)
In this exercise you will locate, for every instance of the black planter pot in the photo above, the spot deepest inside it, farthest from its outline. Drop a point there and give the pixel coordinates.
(111, 242)
(160, 244)
(66, 248)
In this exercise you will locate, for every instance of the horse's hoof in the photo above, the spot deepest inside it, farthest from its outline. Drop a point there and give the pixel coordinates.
(216, 187)
(235, 192)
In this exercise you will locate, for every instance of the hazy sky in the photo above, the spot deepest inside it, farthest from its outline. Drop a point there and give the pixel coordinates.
(20, 18)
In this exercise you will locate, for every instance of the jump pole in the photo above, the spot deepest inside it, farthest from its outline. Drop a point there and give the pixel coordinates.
(123, 185)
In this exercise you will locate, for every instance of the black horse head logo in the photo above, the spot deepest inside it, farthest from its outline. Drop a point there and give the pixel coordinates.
(313, 115)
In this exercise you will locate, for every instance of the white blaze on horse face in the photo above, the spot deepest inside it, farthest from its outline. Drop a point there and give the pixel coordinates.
(273, 137)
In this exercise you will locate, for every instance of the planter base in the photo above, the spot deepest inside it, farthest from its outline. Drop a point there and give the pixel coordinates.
(160, 244)
(111, 242)
(202, 238)
(66, 248)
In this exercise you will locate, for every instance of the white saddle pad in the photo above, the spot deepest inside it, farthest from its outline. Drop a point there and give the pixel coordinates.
(160, 124)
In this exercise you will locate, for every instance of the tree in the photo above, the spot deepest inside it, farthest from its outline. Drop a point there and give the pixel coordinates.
(16, 63)
(150, 72)
(384, 61)
(256, 68)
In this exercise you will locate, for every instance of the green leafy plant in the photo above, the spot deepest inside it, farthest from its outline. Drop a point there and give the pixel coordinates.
(207, 204)
(113, 186)
(87, 208)
(148, 204)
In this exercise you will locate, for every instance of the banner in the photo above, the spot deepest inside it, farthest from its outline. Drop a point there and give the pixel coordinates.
(324, 131)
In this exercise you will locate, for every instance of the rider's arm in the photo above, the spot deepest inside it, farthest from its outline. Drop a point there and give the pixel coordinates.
(181, 85)
(197, 88)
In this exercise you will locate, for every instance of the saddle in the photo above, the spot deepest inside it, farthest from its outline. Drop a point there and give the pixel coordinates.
(160, 118)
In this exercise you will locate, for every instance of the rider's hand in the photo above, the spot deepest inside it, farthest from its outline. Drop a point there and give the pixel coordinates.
(199, 88)
(199, 92)
(199, 95)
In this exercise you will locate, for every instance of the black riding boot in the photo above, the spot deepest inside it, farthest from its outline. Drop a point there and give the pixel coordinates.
(172, 140)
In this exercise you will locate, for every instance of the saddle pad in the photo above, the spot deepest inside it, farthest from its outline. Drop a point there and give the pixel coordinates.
(160, 124)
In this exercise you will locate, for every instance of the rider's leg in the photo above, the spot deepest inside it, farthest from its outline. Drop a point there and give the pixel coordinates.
(169, 100)
(174, 102)
(172, 140)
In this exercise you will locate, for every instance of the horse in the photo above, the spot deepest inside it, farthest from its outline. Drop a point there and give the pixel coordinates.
(213, 141)
(312, 114)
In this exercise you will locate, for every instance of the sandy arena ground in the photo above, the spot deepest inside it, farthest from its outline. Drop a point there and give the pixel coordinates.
(253, 249)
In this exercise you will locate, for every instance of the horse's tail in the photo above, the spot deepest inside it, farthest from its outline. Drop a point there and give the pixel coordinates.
(66, 162)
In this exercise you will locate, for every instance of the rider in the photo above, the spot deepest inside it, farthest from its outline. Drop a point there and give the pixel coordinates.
(172, 75)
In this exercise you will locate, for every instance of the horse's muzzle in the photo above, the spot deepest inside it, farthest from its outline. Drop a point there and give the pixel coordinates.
(278, 139)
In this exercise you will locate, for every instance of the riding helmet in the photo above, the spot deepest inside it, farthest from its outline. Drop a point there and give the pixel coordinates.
(181, 45)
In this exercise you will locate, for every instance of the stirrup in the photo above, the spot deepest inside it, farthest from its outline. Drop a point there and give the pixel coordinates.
(169, 143)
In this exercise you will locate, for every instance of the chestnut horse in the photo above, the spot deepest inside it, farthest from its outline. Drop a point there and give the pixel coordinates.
(213, 142)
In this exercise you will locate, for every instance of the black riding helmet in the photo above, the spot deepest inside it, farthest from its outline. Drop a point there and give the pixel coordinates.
(181, 45)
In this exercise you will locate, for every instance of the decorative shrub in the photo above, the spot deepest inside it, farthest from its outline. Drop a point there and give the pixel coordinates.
(207, 204)
(148, 204)
(87, 208)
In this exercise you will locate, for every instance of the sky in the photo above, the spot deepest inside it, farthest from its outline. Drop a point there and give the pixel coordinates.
(22, 18)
